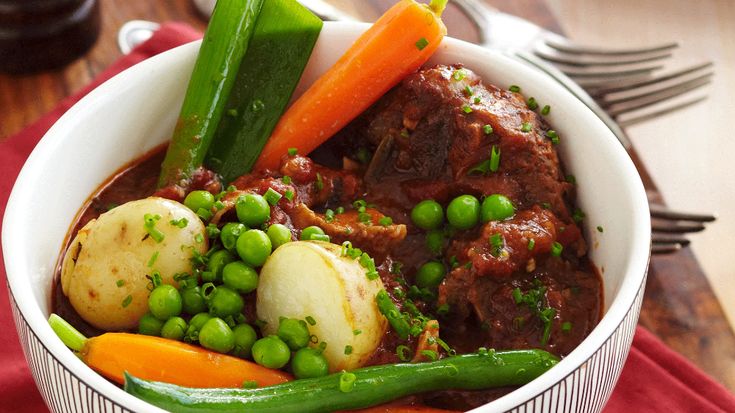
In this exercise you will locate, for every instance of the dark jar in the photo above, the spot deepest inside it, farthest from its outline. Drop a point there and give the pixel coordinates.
(38, 35)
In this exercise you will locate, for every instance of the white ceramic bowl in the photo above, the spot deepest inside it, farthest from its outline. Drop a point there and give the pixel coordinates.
(136, 111)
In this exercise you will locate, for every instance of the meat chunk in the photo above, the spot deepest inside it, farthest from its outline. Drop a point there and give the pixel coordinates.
(443, 122)
(370, 236)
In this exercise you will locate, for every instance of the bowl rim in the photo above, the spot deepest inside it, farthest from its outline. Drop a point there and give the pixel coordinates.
(618, 309)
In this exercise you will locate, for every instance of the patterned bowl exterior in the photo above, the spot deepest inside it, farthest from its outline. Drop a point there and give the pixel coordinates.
(585, 390)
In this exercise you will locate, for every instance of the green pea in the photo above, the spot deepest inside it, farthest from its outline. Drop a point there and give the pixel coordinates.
(435, 241)
(224, 302)
(252, 210)
(216, 335)
(254, 247)
(279, 235)
(271, 352)
(230, 233)
(430, 275)
(240, 277)
(174, 328)
(463, 212)
(294, 333)
(199, 200)
(245, 337)
(309, 363)
(497, 207)
(192, 301)
(165, 302)
(195, 325)
(150, 325)
(217, 262)
(309, 232)
(427, 214)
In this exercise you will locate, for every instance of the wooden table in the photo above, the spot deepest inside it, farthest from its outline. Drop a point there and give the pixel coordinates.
(679, 305)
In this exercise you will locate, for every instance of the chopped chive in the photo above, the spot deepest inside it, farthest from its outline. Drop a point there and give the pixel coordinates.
(443, 309)
(487, 129)
(403, 352)
(356, 332)
(329, 215)
(578, 215)
(571, 179)
(551, 134)
(517, 295)
(496, 242)
(429, 354)
(531, 244)
(468, 90)
(340, 210)
(126, 302)
(566, 326)
(459, 74)
(422, 43)
(219, 205)
(546, 110)
(152, 261)
(526, 127)
(286, 179)
(545, 205)
(199, 238)
(514, 88)
(404, 133)
(348, 350)
(212, 231)
(466, 109)
(319, 182)
(309, 319)
(181, 222)
(120, 283)
(272, 196)
(494, 159)
(292, 151)
(532, 104)
(288, 195)
(150, 227)
(347, 382)
(556, 249)
(600, 229)
(385, 221)
(477, 100)
(204, 214)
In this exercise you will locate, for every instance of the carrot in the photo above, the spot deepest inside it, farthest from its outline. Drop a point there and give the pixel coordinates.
(160, 359)
(402, 40)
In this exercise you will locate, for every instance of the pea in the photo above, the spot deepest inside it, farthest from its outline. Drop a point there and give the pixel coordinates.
(309, 232)
(430, 275)
(149, 325)
(463, 212)
(195, 325)
(199, 200)
(229, 234)
(252, 210)
(279, 235)
(435, 241)
(216, 335)
(427, 214)
(192, 301)
(294, 333)
(271, 352)
(497, 207)
(225, 302)
(254, 247)
(217, 262)
(165, 302)
(174, 328)
(309, 363)
(240, 277)
(245, 337)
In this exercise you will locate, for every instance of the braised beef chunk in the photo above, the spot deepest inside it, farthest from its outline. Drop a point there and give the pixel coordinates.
(443, 122)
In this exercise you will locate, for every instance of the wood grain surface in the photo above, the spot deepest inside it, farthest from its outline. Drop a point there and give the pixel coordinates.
(679, 305)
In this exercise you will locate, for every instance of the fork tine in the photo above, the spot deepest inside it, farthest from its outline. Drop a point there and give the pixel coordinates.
(576, 59)
(607, 72)
(665, 249)
(659, 239)
(616, 85)
(567, 46)
(677, 228)
(658, 211)
(653, 90)
(659, 96)
(628, 121)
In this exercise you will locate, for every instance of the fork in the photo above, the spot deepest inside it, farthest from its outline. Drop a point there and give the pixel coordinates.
(620, 81)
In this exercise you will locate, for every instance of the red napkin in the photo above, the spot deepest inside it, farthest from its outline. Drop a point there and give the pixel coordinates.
(655, 379)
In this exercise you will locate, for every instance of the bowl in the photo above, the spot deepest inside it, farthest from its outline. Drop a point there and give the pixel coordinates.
(136, 111)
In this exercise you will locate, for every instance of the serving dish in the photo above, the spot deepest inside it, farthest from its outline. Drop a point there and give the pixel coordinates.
(136, 110)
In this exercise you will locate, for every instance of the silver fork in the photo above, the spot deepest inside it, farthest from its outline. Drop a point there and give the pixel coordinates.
(621, 81)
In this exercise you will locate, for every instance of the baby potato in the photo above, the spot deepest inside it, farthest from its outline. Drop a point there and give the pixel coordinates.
(104, 271)
(311, 279)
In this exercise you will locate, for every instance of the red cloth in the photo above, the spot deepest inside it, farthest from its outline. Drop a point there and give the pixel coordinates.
(655, 379)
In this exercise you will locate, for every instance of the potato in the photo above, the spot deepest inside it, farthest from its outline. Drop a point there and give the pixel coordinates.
(310, 278)
(104, 271)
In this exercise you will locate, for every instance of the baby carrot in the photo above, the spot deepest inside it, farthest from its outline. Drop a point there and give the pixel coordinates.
(396, 45)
